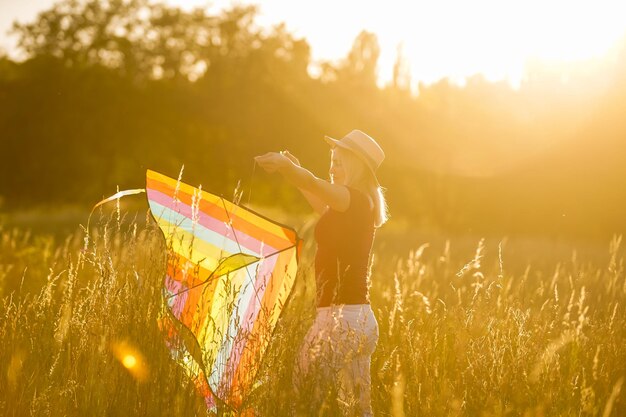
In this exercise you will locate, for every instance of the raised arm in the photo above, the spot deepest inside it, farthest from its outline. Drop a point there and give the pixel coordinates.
(318, 205)
(320, 193)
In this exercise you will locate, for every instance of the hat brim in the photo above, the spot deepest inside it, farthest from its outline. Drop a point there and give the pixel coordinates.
(333, 143)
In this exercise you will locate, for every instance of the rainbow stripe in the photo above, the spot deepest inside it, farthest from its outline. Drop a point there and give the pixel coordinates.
(229, 273)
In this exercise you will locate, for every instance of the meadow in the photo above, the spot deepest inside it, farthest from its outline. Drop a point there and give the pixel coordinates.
(468, 327)
(498, 285)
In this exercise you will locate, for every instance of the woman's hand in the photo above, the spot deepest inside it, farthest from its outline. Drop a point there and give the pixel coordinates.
(320, 193)
(290, 157)
(273, 161)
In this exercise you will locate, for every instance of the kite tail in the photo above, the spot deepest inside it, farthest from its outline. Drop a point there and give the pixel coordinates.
(115, 196)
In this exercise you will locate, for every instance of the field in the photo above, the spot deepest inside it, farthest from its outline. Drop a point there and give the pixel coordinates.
(498, 285)
(468, 326)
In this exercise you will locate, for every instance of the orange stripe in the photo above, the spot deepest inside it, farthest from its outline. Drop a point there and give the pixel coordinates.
(203, 309)
(191, 278)
(191, 308)
(194, 278)
(218, 212)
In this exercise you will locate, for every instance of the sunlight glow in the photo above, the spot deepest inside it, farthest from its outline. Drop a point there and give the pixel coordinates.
(129, 361)
(131, 358)
(450, 38)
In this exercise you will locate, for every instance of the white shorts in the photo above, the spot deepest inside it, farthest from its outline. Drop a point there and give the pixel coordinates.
(338, 347)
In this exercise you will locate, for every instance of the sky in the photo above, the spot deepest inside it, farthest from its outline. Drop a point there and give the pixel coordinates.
(444, 38)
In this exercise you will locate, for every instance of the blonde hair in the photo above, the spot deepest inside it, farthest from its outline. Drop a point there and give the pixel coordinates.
(359, 176)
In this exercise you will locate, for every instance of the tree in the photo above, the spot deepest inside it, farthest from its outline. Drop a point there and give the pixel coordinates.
(401, 72)
(136, 38)
(360, 67)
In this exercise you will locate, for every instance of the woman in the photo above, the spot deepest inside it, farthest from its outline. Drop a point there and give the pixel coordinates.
(344, 334)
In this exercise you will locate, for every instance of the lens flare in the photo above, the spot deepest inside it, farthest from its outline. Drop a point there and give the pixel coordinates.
(131, 359)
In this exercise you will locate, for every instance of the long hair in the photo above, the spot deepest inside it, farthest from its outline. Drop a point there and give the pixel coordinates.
(359, 176)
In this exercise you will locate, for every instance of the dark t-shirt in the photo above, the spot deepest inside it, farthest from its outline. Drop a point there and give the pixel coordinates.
(344, 242)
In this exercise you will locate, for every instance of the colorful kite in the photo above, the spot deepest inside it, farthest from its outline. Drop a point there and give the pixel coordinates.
(229, 273)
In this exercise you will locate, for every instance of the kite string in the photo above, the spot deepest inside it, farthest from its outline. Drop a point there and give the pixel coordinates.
(251, 181)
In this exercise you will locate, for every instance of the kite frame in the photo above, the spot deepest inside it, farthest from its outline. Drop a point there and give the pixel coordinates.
(297, 245)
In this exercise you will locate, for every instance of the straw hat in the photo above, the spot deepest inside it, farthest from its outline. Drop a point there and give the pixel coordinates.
(362, 145)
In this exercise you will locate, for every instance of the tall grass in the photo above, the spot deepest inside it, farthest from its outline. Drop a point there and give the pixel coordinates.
(458, 337)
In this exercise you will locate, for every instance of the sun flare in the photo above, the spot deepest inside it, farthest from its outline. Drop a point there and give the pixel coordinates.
(129, 361)
(452, 38)
(131, 358)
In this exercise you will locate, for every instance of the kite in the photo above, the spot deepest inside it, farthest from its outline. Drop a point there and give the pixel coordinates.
(230, 272)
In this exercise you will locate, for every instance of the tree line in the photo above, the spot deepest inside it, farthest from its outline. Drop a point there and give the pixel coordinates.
(109, 89)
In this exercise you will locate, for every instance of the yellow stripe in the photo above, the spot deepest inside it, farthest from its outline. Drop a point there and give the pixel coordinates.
(231, 208)
(226, 294)
(286, 286)
(199, 252)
